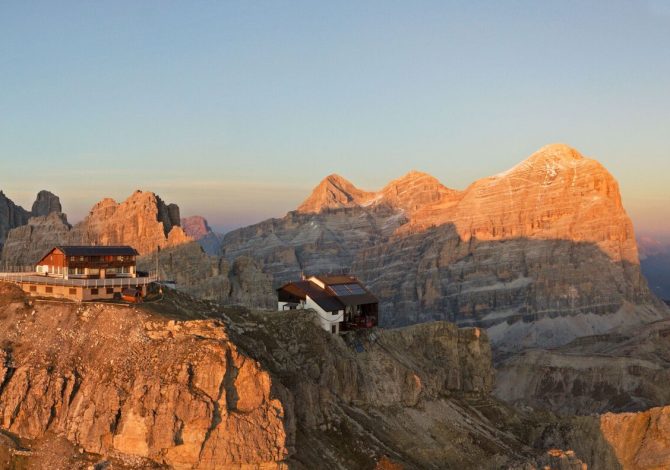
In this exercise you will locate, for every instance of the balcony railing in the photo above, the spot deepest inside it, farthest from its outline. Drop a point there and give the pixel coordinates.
(32, 278)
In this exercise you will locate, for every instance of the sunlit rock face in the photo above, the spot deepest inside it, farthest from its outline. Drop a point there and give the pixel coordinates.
(142, 221)
(641, 441)
(113, 380)
(539, 254)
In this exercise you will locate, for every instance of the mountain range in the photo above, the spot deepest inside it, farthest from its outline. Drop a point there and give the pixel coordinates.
(538, 255)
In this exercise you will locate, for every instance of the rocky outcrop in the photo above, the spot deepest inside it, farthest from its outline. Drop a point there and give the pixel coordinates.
(117, 381)
(622, 371)
(28, 243)
(45, 204)
(241, 282)
(538, 255)
(641, 441)
(143, 221)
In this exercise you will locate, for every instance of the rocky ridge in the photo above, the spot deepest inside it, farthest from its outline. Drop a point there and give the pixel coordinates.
(143, 221)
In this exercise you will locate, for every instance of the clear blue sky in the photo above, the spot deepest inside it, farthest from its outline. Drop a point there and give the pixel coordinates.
(234, 110)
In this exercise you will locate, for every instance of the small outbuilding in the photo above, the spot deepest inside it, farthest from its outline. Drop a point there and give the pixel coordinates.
(341, 302)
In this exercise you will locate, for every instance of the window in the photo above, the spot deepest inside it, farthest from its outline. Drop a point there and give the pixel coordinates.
(73, 291)
(73, 258)
(333, 329)
(33, 288)
(49, 290)
(110, 290)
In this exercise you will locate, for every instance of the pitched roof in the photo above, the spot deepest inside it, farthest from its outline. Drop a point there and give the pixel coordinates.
(328, 299)
(83, 250)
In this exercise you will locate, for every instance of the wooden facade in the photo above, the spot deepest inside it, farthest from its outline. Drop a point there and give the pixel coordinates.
(89, 262)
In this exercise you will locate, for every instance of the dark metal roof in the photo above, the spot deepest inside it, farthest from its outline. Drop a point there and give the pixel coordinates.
(83, 250)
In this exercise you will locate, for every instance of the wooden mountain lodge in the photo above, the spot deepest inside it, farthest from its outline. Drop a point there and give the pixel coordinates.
(342, 303)
(85, 273)
(89, 262)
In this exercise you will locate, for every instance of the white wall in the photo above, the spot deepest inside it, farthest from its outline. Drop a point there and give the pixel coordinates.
(326, 319)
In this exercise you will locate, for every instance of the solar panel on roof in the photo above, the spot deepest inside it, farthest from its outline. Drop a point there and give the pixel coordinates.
(347, 289)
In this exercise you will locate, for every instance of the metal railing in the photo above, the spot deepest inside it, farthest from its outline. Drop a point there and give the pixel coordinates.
(33, 278)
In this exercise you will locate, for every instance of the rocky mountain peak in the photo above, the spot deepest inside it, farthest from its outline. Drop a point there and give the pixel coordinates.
(415, 190)
(46, 203)
(558, 151)
(333, 192)
(195, 226)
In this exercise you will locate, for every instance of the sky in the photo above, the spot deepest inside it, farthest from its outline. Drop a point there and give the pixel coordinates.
(235, 109)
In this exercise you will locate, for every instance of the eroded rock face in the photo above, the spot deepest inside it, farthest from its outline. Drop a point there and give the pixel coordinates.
(625, 370)
(538, 255)
(142, 221)
(25, 245)
(641, 440)
(112, 380)
(45, 204)
(241, 282)
(12, 216)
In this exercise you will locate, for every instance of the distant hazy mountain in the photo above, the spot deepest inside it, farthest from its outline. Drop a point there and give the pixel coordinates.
(655, 263)
(198, 229)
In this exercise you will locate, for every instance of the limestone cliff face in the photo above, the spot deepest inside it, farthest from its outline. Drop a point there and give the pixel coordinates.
(241, 282)
(116, 381)
(143, 221)
(538, 255)
(12, 216)
(25, 245)
(45, 204)
(641, 440)
(625, 370)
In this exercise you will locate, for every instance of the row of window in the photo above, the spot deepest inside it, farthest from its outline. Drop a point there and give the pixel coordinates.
(73, 291)
(102, 258)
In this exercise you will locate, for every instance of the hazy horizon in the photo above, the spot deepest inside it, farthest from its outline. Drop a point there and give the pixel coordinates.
(236, 110)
